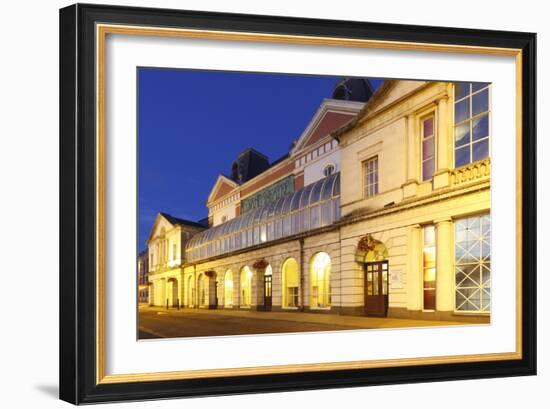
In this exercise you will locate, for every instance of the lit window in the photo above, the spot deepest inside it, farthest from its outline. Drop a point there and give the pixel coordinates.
(202, 290)
(429, 267)
(370, 171)
(471, 122)
(290, 283)
(320, 281)
(329, 170)
(246, 286)
(428, 148)
(473, 264)
(228, 287)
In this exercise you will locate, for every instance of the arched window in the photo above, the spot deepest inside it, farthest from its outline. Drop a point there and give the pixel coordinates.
(228, 289)
(290, 283)
(246, 287)
(320, 281)
(329, 170)
(202, 290)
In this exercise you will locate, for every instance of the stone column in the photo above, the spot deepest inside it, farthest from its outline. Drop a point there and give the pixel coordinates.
(411, 184)
(444, 144)
(151, 294)
(415, 281)
(260, 273)
(444, 287)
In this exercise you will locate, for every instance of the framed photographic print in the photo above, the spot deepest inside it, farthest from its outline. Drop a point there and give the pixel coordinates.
(258, 203)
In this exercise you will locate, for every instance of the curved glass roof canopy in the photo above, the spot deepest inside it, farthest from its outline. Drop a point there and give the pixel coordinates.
(315, 205)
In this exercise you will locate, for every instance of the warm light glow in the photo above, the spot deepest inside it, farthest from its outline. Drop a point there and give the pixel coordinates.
(290, 283)
(228, 285)
(246, 287)
(320, 281)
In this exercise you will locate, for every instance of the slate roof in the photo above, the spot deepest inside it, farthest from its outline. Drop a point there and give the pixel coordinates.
(177, 220)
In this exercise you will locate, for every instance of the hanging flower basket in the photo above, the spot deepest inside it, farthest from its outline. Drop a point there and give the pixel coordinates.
(210, 273)
(367, 243)
(260, 264)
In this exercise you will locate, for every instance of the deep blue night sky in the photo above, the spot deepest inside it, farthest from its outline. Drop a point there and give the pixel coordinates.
(193, 124)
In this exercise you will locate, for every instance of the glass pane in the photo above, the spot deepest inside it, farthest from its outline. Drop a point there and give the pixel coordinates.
(315, 222)
(429, 235)
(286, 204)
(428, 125)
(304, 215)
(480, 150)
(461, 89)
(296, 200)
(304, 201)
(428, 148)
(462, 134)
(316, 192)
(462, 156)
(336, 188)
(325, 213)
(462, 110)
(480, 102)
(480, 127)
(476, 86)
(428, 168)
(326, 193)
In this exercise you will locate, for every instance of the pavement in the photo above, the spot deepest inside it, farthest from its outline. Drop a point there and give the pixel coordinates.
(157, 322)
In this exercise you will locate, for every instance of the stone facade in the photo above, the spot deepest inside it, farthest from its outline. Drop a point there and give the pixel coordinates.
(381, 233)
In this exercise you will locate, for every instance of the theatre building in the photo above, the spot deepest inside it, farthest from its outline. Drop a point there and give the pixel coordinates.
(380, 208)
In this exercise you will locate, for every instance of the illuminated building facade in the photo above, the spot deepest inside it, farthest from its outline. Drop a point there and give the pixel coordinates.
(381, 208)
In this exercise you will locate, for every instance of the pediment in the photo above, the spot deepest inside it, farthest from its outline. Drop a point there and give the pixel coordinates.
(160, 226)
(222, 187)
(331, 115)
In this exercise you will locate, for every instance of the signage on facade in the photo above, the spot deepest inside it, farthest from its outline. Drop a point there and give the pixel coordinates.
(269, 194)
(396, 279)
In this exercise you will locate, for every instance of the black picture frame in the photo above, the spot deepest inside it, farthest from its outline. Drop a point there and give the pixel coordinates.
(78, 360)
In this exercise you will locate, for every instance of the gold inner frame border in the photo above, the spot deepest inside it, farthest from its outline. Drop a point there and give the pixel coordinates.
(102, 30)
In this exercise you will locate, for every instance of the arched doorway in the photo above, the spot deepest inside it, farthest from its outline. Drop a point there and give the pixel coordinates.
(203, 292)
(246, 287)
(320, 295)
(373, 255)
(228, 289)
(190, 292)
(290, 283)
(172, 292)
(268, 288)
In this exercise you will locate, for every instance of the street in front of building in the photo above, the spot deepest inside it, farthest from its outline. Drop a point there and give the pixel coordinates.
(155, 322)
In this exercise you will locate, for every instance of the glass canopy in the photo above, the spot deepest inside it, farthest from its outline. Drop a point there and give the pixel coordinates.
(315, 205)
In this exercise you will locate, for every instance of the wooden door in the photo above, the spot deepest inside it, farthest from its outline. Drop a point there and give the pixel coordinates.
(268, 291)
(376, 289)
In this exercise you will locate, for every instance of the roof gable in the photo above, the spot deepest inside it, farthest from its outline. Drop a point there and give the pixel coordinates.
(222, 187)
(388, 93)
(161, 222)
(331, 115)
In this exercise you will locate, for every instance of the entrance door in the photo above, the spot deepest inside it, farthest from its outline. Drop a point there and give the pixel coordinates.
(268, 283)
(376, 288)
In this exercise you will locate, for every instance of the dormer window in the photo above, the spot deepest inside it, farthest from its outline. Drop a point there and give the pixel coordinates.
(329, 170)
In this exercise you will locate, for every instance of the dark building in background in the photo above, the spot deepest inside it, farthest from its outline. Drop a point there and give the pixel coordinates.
(143, 277)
